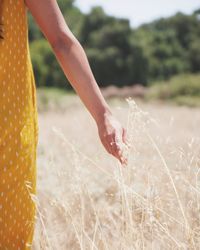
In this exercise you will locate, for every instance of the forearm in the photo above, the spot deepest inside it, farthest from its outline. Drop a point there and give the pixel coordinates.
(73, 60)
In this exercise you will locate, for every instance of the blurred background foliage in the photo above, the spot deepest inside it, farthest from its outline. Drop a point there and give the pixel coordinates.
(161, 51)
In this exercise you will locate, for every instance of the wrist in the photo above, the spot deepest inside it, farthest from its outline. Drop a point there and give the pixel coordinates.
(102, 115)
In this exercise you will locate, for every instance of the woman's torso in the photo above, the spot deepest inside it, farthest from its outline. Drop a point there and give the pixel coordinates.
(18, 112)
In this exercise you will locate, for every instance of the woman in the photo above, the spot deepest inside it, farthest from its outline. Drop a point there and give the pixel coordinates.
(18, 110)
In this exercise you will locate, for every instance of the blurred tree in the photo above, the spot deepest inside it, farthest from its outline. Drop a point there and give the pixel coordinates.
(194, 56)
(107, 41)
(119, 54)
(46, 68)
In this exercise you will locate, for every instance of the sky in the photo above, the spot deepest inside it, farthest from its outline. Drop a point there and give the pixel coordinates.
(140, 11)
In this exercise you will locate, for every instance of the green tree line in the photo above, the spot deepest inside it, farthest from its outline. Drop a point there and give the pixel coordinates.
(119, 54)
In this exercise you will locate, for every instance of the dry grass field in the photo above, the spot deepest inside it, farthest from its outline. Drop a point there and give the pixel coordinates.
(86, 200)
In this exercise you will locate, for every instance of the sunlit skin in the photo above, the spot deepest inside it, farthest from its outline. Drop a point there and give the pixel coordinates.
(74, 63)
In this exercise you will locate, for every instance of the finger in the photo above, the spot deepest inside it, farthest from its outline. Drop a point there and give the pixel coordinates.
(106, 142)
(117, 152)
(118, 142)
(120, 153)
(108, 147)
(111, 144)
(117, 147)
(114, 148)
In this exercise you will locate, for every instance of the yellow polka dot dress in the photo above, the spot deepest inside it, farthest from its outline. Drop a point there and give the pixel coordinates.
(18, 130)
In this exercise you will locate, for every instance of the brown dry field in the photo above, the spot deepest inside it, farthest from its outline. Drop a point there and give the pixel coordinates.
(87, 200)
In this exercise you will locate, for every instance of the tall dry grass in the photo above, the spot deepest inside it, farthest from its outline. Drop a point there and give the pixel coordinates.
(87, 201)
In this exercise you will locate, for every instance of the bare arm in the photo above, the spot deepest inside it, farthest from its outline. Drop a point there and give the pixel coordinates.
(75, 65)
(70, 54)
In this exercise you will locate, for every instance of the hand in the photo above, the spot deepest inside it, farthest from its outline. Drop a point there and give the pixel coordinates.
(113, 137)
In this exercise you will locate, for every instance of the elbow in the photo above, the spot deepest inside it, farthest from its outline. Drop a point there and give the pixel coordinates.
(62, 40)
